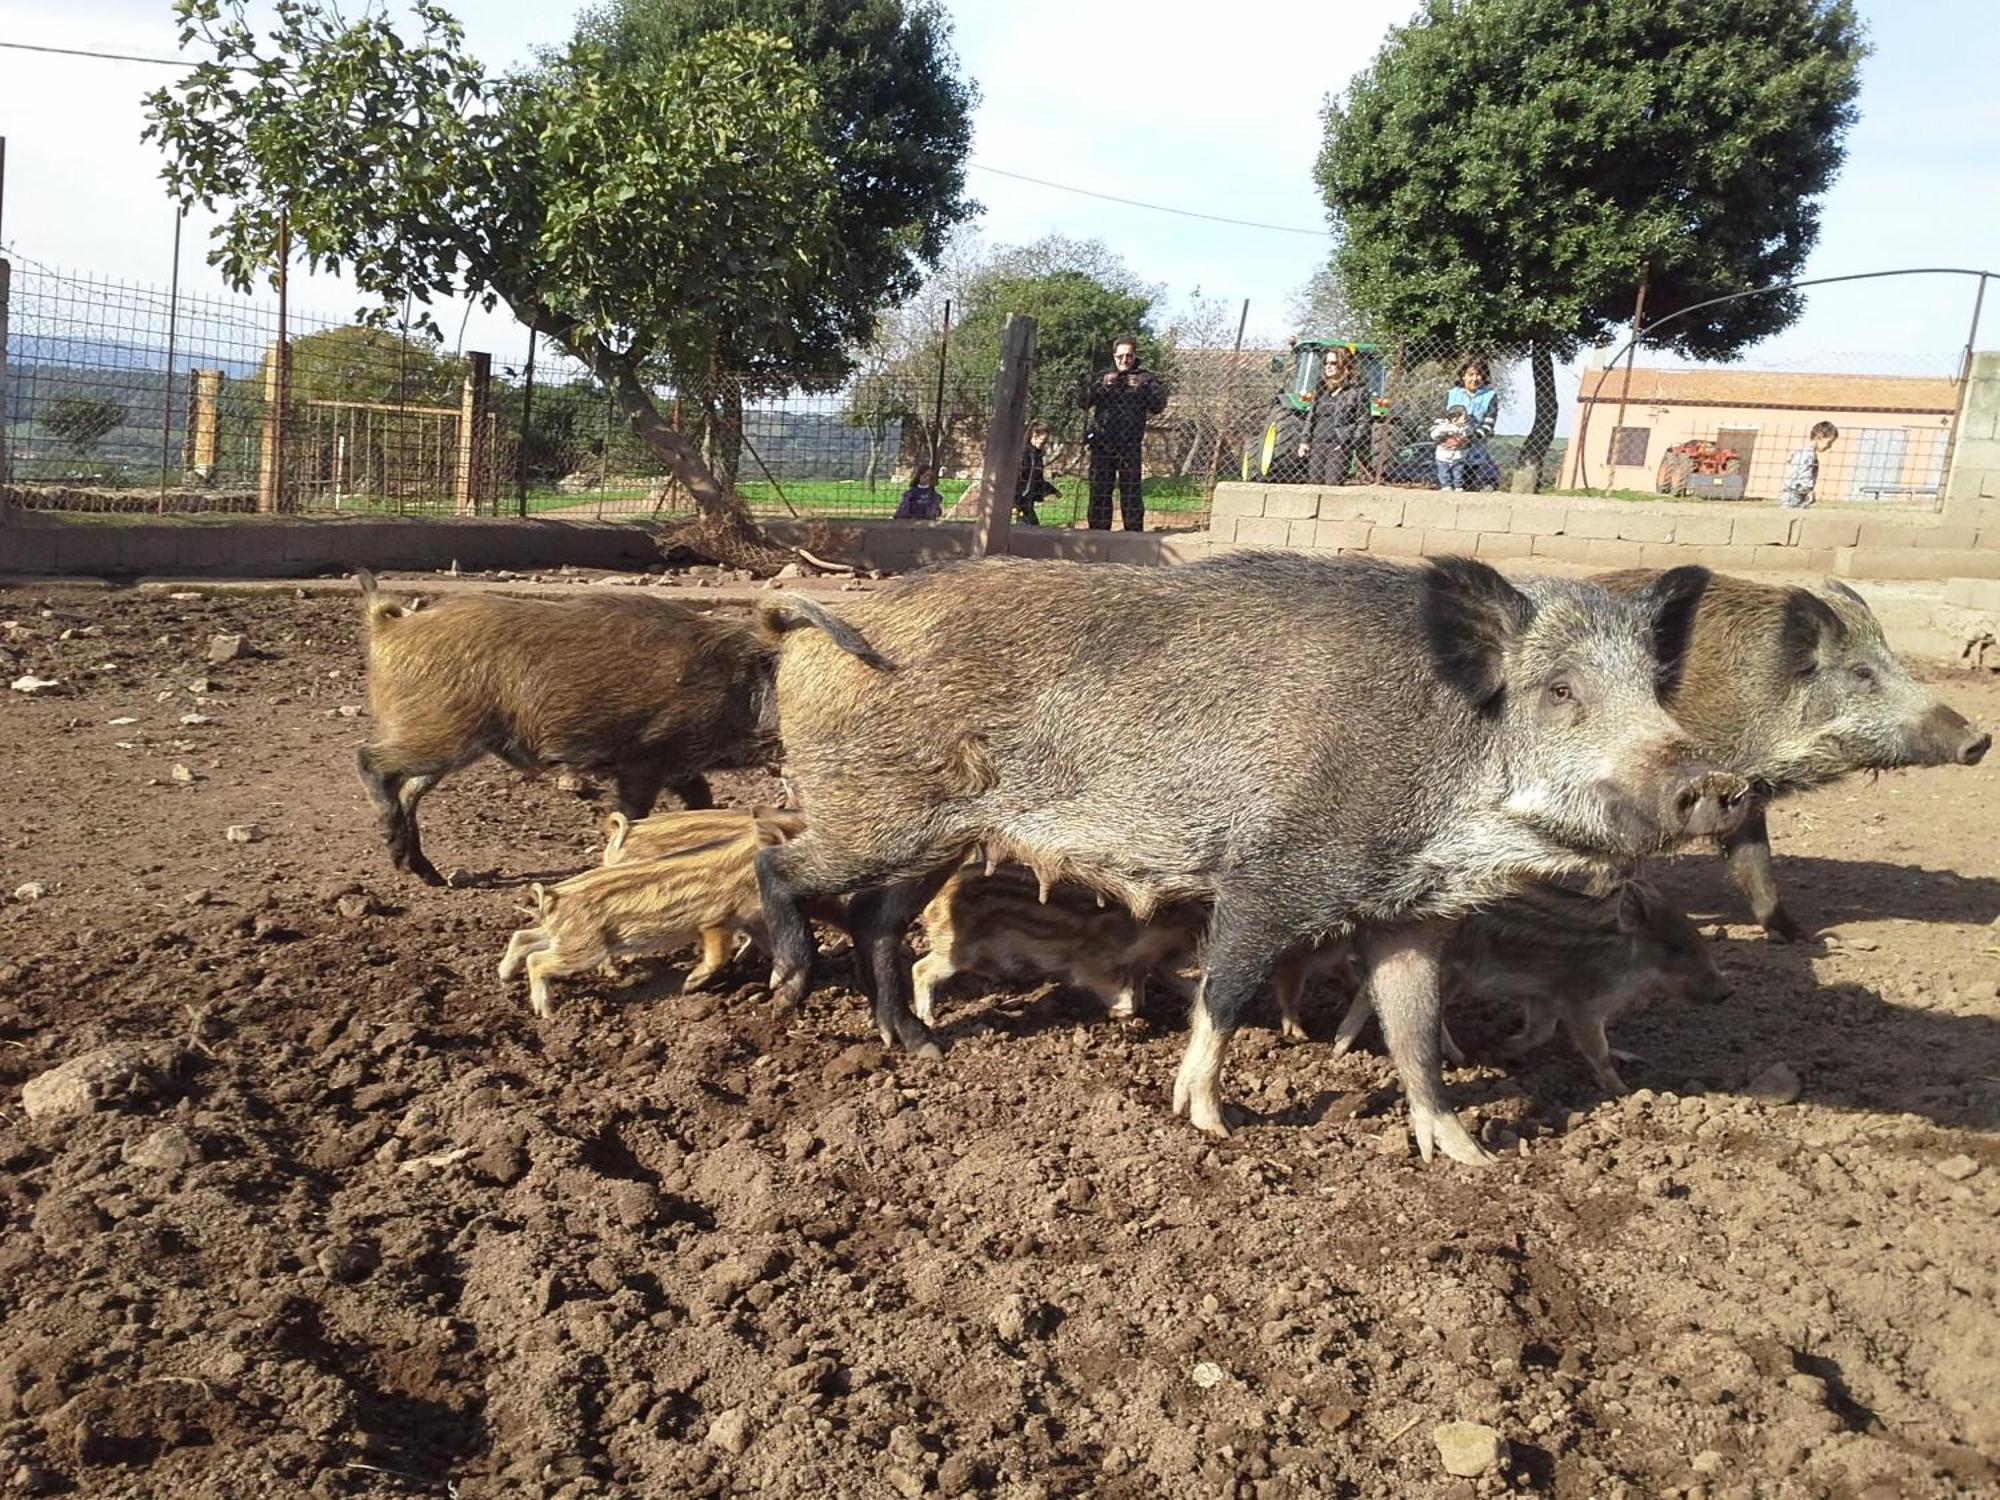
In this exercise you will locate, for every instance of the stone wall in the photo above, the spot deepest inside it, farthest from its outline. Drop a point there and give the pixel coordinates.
(1854, 541)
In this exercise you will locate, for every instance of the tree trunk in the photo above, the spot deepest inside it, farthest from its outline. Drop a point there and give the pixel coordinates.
(724, 532)
(726, 401)
(1543, 430)
(635, 403)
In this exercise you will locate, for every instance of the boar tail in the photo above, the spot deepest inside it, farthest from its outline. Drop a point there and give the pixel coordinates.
(620, 826)
(776, 617)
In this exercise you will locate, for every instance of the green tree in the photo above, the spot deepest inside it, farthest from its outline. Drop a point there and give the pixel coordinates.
(1507, 172)
(83, 421)
(1082, 298)
(357, 362)
(641, 211)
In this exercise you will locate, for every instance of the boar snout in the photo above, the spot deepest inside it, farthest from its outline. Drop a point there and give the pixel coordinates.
(1707, 803)
(1962, 743)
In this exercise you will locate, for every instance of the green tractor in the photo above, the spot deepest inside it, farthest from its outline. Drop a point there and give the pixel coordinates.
(1273, 455)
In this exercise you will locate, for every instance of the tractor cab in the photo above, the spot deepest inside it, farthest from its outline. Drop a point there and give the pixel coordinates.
(1273, 454)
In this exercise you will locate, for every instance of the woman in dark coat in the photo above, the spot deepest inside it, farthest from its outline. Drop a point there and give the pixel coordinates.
(1337, 429)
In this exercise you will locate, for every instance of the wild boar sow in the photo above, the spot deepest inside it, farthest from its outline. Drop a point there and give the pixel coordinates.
(1314, 747)
(1792, 688)
(649, 691)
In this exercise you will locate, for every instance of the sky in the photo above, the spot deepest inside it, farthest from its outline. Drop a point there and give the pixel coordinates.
(1213, 109)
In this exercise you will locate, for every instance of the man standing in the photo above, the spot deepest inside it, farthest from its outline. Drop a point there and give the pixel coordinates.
(1119, 400)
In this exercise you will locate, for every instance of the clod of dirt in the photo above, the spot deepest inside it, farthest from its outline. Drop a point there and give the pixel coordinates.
(105, 1079)
(1469, 1449)
(349, 1261)
(181, 775)
(1017, 1318)
(36, 686)
(30, 890)
(1958, 1168)
(731, 1431)
(1777, 1084)
(243, 833)
(227, 648)
(168, 1149)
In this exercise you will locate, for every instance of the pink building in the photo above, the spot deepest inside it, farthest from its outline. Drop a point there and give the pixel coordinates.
(1894, 429)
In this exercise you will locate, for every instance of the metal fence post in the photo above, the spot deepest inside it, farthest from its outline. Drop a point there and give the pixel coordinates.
(1005, 434)
(467, 489)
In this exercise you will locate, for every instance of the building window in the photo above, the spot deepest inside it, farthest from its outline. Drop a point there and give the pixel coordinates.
(1628, 446)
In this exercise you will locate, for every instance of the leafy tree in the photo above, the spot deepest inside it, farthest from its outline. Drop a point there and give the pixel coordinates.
(83, 421)
(356, 362)
(1507, 172)
(650, 210)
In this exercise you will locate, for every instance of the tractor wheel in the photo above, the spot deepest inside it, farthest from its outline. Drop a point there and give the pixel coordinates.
(1280, 449)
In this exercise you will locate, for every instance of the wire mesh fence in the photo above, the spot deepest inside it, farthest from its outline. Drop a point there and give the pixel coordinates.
(122, 397)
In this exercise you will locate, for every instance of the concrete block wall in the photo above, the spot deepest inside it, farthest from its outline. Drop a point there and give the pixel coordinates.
(1855, 541)
(298, 546)
(1972, 487)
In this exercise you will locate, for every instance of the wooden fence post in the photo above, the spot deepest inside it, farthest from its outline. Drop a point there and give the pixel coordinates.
(1005, 434)
(271, 456)
(6, 273)
(204, 424)
(468, 478)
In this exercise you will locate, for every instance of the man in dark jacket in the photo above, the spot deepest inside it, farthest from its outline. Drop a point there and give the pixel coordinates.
(1119, 401)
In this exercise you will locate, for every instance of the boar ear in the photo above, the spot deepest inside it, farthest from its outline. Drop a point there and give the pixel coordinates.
(1840, 590)
(1808, 628)
(1673, 598)
(1471, 615)
(1635, 906)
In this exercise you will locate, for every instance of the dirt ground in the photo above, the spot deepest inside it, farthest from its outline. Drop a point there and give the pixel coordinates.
(329, 1212)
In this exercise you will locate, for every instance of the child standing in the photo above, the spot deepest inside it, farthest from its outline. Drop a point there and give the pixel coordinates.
(1802, 473)
(921, 501)
(1032, 484)
(1451, 432)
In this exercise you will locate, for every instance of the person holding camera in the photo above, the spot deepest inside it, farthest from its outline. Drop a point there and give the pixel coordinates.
(1119, 400)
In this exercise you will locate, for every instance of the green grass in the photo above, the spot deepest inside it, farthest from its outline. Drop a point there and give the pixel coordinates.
(851, 499)
(841, 499)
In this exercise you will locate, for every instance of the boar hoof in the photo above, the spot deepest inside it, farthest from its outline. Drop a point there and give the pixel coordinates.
(1443, 1132)
(1779, 926)
(788, 991)
(1289, 1030)
(425, 871)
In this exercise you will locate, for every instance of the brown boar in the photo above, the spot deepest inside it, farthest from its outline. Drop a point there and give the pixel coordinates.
(1004, 924)
(1577, 959)
(628, 839)
(650, 691)
(703, 892)
(1792, 688)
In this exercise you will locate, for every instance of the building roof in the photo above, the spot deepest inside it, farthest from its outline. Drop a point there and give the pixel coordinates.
(1929, 395)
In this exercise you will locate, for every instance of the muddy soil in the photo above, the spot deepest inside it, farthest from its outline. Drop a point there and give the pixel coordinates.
(297, 1198)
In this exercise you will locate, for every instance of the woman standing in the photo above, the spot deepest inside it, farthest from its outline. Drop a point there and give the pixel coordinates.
(1337, 428)
(1481, 403)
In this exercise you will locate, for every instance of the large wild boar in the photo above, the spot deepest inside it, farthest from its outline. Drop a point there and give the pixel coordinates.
(650, 691)
(1791, 689)
(1313, 746)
